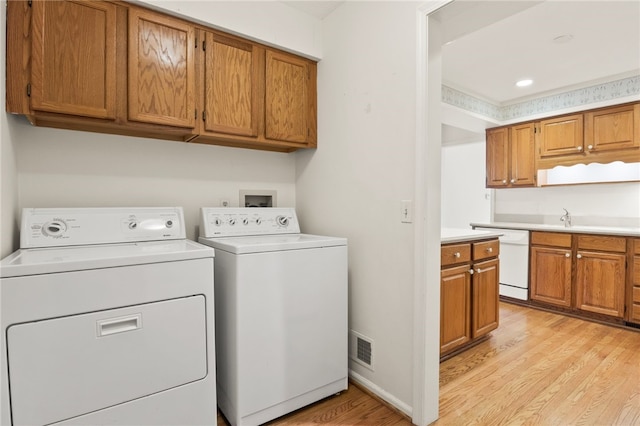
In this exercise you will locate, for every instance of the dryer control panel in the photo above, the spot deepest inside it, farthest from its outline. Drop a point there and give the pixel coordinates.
(57, 227)
(246, 221)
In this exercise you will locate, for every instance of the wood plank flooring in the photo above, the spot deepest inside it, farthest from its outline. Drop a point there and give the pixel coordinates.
(541, 368)
(538, 368)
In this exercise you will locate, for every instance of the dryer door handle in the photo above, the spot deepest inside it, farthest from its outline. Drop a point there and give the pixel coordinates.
(111, 326)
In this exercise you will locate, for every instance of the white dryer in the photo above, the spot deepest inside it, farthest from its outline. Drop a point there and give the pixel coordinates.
(107, 318)
(281, 312)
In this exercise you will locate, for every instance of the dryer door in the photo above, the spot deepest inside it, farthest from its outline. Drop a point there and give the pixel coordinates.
(65, 367)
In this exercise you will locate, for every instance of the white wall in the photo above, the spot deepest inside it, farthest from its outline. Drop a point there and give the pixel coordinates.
(269, 22)
(60, 168)
(364, 166)
(464, 196)
(614, 204)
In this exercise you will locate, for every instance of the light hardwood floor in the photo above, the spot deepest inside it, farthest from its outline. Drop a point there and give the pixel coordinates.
(538, 368)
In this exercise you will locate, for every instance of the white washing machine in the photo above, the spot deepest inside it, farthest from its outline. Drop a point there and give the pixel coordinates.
(107, 318)
(281, 312)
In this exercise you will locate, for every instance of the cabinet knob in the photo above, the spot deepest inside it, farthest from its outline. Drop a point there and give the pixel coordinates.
(489, 249)
(567, 255)
(579, 256)
(456, 255)
(504, 181)
(471, 271)
(579, 148)
(478, 270)
(590, 147)
(513, 181)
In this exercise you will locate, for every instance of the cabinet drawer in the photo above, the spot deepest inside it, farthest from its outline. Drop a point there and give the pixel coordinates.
(635, 313)
(636, 295)
(602, 243)
(636, 249)
(455, 253)
(551, 239)
(636, 271)
(486, 249)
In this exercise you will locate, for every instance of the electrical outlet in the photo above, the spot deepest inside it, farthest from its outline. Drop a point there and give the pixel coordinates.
(224, 202)
(406, 211)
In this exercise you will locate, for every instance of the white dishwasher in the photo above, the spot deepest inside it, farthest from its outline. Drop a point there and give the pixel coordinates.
(514, 262)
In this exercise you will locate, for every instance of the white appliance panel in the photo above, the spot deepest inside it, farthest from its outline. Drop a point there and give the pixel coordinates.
(266, 243)
(64, 367)
(282, 323)
(54, 227)
(74, 258)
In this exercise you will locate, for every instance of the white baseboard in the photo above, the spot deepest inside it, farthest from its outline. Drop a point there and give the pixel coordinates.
(378, 391)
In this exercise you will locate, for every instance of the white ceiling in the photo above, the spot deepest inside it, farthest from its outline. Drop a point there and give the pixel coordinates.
(493, 44)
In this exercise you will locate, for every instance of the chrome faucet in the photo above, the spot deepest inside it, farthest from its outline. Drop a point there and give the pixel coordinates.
(566, 218)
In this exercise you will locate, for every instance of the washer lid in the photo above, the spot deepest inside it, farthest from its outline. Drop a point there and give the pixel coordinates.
(269, 243)
(65, 259)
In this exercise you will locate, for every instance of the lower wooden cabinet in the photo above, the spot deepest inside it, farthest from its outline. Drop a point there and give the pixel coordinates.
(579, 272)
(468, 293)
(634, 283)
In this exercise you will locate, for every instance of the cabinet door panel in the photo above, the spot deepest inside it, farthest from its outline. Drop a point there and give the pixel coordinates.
(613, 128)
(522, 155)
(551, 275)
(286, 98)
(485, 297)
(161, 70)
(561, 136)
(600, 283)
(455, 308)
(498, 157)
(231, 86)
(74, 58)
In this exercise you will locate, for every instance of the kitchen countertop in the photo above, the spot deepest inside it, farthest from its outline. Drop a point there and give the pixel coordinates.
(457, 235)
(604, 230)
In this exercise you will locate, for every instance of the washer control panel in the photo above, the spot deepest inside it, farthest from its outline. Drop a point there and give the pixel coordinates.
(79, 226)
(245, 221)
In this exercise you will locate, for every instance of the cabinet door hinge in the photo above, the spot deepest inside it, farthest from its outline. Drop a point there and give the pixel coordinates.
(30, 3)
(204, 45)
(28, 90)
(196, 42)
(195, 114)
(204, 115)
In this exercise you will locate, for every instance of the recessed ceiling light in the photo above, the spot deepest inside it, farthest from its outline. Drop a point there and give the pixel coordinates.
(565, 38)
(524, 83)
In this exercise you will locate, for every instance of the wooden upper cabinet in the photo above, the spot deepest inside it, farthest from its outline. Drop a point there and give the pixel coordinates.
(612, 128)
(511, 156)
(561, 136)
(74, 58)
(231, 85)
(522, 141)
(498, 157)
(288, 101)
(161, 69)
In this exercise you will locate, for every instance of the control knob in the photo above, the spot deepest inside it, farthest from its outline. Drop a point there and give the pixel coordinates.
(282, 221)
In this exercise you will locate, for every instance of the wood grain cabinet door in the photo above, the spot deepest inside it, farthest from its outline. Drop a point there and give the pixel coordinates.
(287, 109)
(161, 69)
(484, 293)
(522, 142)
(551, 275)
(561, 136)
(600, 282)
(74, 58)
(612, 128)
(498, 157)
(232, 89)
(455, 308)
